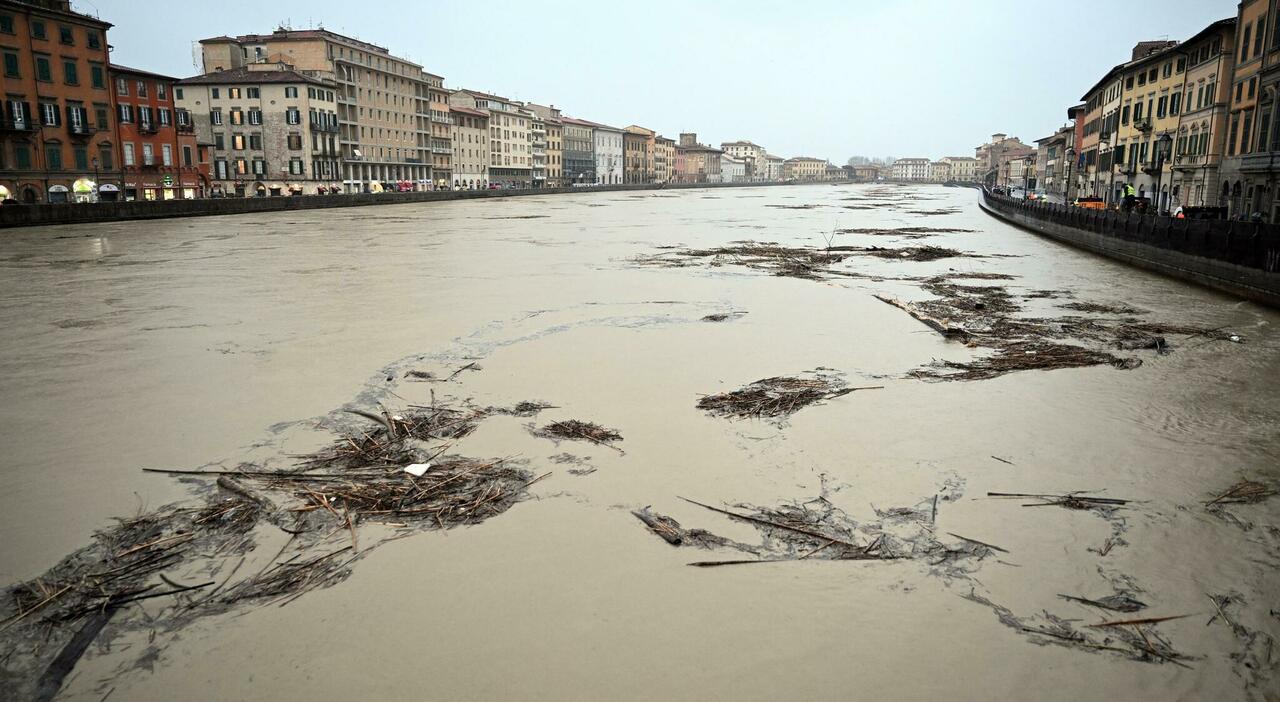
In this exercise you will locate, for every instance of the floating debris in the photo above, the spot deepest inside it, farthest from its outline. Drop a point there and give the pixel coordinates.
(528, 408)
(722, 316)
(1100, 308)
(906, 232)
(985, 316)
(1243, 492)
(1115, 603)
(575, 430)
(916, 253)
(49, 621)
(1071, 500)
(809, 263)
(1134, 639)
(778, 396)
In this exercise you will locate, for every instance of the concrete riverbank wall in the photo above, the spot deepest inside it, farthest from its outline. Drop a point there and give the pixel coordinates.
(1240, 258)
(39, 215)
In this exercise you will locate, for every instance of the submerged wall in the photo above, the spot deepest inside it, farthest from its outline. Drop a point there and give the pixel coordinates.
(37, 215)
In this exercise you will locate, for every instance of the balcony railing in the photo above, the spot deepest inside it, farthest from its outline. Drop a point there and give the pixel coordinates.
(1142, 125)
(18, 125)
(441, 150)
(187, 128)
(81, 130)
(147, 128)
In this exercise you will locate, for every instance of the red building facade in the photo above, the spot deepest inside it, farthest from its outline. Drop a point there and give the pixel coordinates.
(159, 156)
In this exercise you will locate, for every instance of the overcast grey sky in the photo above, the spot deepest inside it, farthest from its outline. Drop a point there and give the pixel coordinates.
(825, 78)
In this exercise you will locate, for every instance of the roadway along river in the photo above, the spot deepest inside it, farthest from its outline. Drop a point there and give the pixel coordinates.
(211, 341)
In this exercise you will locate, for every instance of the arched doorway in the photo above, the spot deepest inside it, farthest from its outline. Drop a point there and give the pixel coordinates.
(30, 196)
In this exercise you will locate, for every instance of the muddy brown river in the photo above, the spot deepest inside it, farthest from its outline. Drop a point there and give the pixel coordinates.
(204, 343)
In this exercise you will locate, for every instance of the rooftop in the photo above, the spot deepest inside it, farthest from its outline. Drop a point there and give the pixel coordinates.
(117, 68)
(468, 111)
(244, 75)
(283, 34)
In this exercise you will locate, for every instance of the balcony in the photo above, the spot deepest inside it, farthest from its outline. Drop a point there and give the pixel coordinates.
(441, 150)
(80, 130)
(1142, 125)
(18, 125)
(147, 128)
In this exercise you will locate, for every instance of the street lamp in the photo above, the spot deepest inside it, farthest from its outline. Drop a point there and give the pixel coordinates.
(1028, 164)
(1111, 168)
(96, 186)
(1162, 151)
(1070, 155)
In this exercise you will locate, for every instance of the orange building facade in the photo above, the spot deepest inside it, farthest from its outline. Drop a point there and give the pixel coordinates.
(159, 156)
(57, 131)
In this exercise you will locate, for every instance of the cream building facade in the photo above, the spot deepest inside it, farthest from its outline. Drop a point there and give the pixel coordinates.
(732, 169)
(775, 168)
(916, 169)
(379, 97)
(664, 159)
(610, 159)
(510, 137)
(437, 130)
(469, 135)
(553, 159)
(804, 168)
(752, 154)
(271, 127)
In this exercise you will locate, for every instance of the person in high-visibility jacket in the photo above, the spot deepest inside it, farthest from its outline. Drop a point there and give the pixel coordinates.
(1129, 197)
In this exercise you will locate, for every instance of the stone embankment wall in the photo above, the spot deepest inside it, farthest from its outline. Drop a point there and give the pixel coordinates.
(1240, 258)
(38, 215)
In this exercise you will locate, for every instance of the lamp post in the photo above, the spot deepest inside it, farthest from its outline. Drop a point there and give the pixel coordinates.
(1162, 148)
(1111, 168)
(1066, 184)
(1028, 163)
(95, 180)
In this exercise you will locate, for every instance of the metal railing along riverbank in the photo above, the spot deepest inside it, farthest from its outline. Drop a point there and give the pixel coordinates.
(1241, 258)
(1248, 244)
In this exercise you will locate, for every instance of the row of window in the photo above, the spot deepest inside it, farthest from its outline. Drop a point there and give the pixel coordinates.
(149, 155)
(140, 88)
(53, 157)
(253, 142)
(237, 116)
(39, 30)
(143, 114)
(1169, 68)
(1166, 106)
(44, 70)
(224, 169)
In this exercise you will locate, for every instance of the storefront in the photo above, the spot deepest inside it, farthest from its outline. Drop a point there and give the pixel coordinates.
(191, 188)
(59, 193)
(108, 192)
(84, 190)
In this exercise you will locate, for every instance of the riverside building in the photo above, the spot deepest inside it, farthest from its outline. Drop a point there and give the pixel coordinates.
(57, 126)
(380, 99)
(273, 130)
